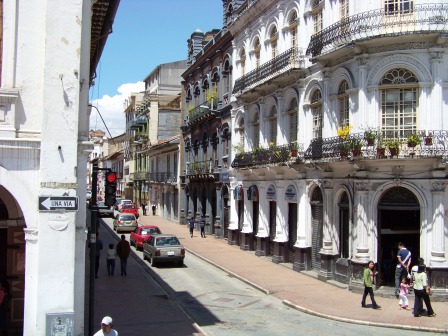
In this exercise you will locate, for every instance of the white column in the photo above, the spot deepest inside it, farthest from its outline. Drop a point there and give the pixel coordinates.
(263, 227)
(438, 257)
(362, 96)
(281, 234)
(360, 218)
(436, 101)
(248, 211)
(303, 218)
(327, 246)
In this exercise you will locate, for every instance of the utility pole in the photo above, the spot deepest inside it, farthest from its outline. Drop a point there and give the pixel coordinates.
(92, 244)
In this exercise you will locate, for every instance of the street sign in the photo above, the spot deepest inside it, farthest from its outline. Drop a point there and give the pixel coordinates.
(54, 203)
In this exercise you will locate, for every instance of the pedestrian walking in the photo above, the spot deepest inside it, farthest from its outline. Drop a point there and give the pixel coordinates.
(369, 280)
(144, 205)
(422, 291)
(191, 226)
(111, 254)
(202, 226)
(404, 291)
(97, 251)
(106, 328)
(153, 209)
(123, 251)
(403, 263)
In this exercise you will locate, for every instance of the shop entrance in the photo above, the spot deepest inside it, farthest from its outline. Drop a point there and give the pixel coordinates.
(398, 221)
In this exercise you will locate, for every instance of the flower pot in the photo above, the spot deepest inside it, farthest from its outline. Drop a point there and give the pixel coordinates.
(356, 152)
(428, 141)
(381, 152)
(370, 142)
(412, 144)
(294, 152)
(393, 152)
(343, 154)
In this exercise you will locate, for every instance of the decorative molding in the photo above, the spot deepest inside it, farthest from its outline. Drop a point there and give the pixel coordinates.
(361, 186)
(31, 235)
(436, 55)
(438, 186)
(400, 46)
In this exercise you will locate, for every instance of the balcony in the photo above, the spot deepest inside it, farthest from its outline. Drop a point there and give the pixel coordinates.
(165, 177)
(418, 19)
(204, 112)
(141, 136)
(292, 59)
(202, 168)
(275, 155)
(141, 176)
(430, 144)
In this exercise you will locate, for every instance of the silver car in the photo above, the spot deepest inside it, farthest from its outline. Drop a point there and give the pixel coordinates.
(163, 248)
(105, 211)
(125, 222)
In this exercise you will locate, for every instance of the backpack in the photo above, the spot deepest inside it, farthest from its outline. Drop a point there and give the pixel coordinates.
(4, 306)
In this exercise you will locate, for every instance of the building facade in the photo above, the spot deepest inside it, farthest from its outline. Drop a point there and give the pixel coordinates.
(207, 88)
(44, 141)
(361, 95)
(157, 120)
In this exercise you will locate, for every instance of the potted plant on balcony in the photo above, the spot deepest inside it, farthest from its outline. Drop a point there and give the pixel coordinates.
(344, 131)
(294, 149)
(370, 135)
(427, 138)
(394, 146)
(381, 148)
(355, 147)
(212, 98)
(413, 140)
(344, 148)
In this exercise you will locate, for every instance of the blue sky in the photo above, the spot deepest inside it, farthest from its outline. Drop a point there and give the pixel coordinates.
(145, 34)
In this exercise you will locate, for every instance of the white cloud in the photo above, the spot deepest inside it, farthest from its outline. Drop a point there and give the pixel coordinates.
(111, 109)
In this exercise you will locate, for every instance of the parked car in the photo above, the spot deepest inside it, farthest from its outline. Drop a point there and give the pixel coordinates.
(125, 222)
(142, 234)
(130, 208)
(123, 201)
(163, 248)
(105, 211)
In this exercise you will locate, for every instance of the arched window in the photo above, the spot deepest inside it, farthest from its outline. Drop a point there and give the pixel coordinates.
(197, 95)
(226, 75)
(344, 226)
(256, 130)
(241, 131)
(399, 88)
(273, 39)
(257, 51)
(316, 110)
(293, 121)
(273, 126)
(344, 106)
(243, 61)
(293, 22)
(205, 88)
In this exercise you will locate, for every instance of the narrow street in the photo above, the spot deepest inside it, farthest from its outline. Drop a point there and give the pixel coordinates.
(216, 303)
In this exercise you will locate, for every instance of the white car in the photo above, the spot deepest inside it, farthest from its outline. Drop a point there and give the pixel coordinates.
(123, 201)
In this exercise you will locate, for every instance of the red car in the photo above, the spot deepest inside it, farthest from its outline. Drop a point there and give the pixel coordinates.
(130, 208)
(142, 234)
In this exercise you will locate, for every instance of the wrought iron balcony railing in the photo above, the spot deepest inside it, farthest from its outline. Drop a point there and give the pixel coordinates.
(205, 109)
(201, 167)
(268, 156)
(165, 177)
(288, 60)
(426, 144)
(141, 175)
(141, 137)
(421, 18)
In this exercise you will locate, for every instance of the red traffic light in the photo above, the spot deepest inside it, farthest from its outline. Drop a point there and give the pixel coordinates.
(111, 177)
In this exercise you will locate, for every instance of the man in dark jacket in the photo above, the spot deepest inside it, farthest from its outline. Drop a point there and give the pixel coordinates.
(123, 251)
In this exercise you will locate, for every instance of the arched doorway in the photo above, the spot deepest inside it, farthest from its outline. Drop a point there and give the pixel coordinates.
(317, 214)
(12, 259)
(398, 221)
(226, 210)
(252, 195)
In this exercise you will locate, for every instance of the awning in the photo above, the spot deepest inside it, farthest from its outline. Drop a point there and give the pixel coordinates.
(252, 193)
(238, 194)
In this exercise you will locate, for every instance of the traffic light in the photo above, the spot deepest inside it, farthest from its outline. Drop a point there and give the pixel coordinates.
(110, 188)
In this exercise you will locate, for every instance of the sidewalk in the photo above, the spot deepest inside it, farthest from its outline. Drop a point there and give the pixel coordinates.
(298, 290)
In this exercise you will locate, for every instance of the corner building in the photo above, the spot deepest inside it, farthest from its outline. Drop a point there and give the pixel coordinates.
(339, 135)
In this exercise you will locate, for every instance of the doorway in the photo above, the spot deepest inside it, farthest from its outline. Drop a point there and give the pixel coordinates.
(398, 221)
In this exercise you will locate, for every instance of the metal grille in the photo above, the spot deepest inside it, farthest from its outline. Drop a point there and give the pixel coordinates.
(292, 228)
(317, 213)
(272, 225)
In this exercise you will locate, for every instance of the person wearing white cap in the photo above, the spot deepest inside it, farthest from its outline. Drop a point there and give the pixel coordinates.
(106, 328)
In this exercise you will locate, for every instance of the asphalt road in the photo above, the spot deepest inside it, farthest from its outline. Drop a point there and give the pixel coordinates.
(223, 305)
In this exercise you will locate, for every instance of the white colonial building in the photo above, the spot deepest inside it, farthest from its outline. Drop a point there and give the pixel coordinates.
(49, 52)
(321, 77)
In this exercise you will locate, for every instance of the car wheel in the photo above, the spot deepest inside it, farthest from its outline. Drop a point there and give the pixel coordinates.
(152, 261)
(144, 256)
(131, 242)
(181, 263)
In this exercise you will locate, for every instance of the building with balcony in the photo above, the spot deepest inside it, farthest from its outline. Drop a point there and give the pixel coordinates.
(114, 159)
(206, 129)
(155, 120)
(48, 57)
(362, 95)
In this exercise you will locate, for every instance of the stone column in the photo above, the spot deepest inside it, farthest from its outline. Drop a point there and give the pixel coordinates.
(362, 96)
(435, 121)
(327, 254)
(280, 116)
(438, 257)
(361, 221)
(218, 226)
